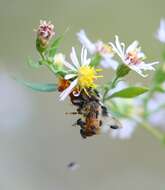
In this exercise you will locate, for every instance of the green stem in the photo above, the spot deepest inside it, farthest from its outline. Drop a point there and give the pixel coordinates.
(112, 85)
(50, 66)
(42, 55)
(154, 132)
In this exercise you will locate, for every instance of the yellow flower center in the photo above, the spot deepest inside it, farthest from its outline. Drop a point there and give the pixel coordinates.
(133, 57)
(87, 76)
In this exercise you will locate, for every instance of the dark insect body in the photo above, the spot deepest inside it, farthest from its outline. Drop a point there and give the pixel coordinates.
(95, 116)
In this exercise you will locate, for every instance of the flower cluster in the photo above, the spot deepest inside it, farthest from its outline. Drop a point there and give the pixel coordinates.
(115, 107)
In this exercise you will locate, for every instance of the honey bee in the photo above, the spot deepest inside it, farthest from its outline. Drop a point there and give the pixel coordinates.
(95, 117)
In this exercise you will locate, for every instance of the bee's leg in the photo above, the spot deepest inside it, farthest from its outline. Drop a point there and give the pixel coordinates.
(82, 133)
(81, 123)
(114, 127)
(100, 123)
(97, 93)
(79, 110)
(104, 111)
(97, 114)
(77, 102)
(72, 113)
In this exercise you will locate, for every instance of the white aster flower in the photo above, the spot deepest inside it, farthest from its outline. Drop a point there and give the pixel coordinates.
(104, 50)
(81, 74)
(132, 56)
(160, 34)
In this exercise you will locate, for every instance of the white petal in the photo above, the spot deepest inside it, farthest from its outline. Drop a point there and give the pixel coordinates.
(153, 63)
(118, 45)
(147, 66)
(137, 69)
(160, 34)
(67, 91)
(106, 63)
(82, 55)
(69, 76)
(87, 62)
(141, 55)
(99, 45)
(73, 57)
(84, 60)
(69, 66)
(132, 47)
(116, 50)
(86, 42)
(123, 47)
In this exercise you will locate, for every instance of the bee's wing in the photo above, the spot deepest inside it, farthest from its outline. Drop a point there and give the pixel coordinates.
(112, 122)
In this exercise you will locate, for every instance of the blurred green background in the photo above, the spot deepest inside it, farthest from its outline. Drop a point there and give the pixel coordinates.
(37, 139)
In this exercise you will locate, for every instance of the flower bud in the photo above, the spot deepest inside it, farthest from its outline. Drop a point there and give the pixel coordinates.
(45, 32)
(59, 59)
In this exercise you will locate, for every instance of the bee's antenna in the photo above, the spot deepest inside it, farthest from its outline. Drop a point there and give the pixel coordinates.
(72, 113)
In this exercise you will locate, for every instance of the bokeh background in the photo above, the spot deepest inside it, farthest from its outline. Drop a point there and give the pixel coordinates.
(37, 139)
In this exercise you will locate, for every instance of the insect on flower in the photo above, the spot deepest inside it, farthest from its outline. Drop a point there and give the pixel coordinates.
(81, 75)
(95, 117)
(132, 56)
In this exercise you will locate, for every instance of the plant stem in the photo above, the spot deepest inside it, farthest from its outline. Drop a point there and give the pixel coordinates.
(154, 132)
(112, 84)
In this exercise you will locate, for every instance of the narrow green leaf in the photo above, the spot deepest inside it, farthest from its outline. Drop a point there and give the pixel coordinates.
(54, 46)
(32, 63)
(129, 92)
(50, 87)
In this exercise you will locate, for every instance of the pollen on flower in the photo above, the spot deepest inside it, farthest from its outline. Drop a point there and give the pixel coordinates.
(133, 57)
(86, 77)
